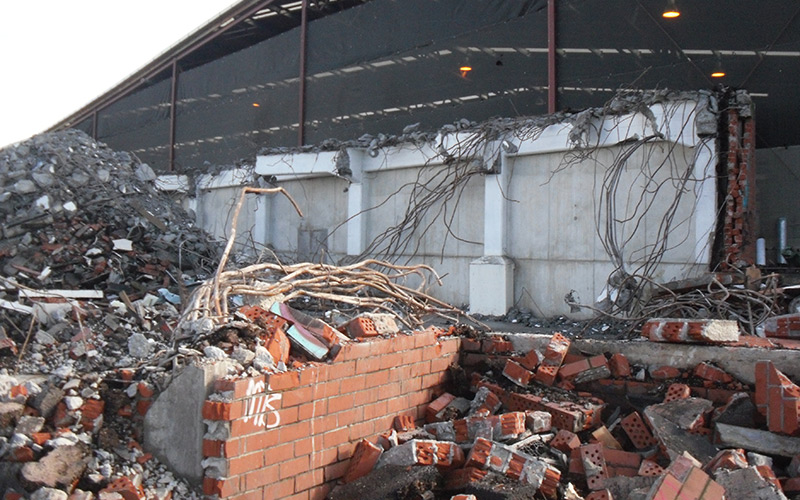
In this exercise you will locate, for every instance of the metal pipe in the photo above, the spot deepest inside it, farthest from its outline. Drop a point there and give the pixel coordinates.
(782, 238)
(173, 99)
(761, 252)
(552, 88)
(301, 129)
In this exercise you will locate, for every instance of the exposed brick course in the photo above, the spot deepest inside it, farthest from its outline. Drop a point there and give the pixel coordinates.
(291, 435)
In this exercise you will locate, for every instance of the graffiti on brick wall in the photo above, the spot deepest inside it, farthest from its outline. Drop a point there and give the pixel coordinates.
(259, 406)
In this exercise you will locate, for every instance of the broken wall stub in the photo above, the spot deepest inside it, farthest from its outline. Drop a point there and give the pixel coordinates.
(291, 434)
(562, 202)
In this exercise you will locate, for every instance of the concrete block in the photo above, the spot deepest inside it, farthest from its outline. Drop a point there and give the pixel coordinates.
(491, 285)
(538, 421)
(174, 427)
(60, 468)
(674, 424)
(731, 436)
(748, 483)
(739, 410)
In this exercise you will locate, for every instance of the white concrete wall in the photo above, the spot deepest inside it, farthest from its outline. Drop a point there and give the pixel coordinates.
(536, 221)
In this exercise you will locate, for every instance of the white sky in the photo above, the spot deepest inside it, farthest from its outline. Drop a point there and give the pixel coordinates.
(58, 55)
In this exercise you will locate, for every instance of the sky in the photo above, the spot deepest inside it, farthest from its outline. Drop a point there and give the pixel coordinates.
(56, 56)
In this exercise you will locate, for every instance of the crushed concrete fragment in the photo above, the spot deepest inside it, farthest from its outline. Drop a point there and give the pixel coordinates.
(747, 483)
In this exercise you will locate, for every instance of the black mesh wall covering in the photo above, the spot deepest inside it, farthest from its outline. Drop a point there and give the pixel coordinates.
(379, 65)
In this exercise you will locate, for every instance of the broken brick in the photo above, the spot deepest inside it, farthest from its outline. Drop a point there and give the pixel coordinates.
(619, 365)
(594, 465)
(553, 357)
(437, 406)
(404, 423)
(516, 373)
(711, 373)
(363, 460)
(531, 360)
(565, 441)
(677, 391)
(665, 372)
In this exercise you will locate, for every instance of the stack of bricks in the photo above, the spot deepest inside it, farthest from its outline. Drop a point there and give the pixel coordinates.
(291, 434)
(739, 230)
(707, 331)
(783, 327)
(778, 399)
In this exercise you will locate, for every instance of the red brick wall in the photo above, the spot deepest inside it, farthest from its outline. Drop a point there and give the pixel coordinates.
(290, 435)
(740, 229)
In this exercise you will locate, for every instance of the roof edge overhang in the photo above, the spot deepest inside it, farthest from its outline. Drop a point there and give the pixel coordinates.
(207, 32)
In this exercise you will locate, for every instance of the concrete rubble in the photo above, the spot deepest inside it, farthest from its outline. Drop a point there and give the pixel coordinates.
(109, 389)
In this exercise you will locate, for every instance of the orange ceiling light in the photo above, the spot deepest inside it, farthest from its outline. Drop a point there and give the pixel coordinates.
(465, 70)
(718, 74)
(256, 105)
(671, 10)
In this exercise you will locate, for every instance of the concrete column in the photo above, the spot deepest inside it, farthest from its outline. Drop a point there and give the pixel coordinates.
(356, 233)
(491, 278)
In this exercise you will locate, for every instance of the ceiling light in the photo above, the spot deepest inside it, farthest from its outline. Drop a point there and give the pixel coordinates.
(718, 71)
(671, 10)
(256, 105)
(464, 70)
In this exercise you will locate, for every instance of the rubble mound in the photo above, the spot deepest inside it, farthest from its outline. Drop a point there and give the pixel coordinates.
(76, 214)
(94, 263)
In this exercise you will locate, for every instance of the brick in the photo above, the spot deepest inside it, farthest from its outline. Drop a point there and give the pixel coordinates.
(495, 345)
(553, 357)
(619, 366)
(785, 326)
(677, 391)
(531, 360)
(438, 405)
(665, 373)
(594, 465)
(637, 431)
(710, 372)
(125, 488)
(516, 373)
(603, 436)
(565, 441)
(649, 468)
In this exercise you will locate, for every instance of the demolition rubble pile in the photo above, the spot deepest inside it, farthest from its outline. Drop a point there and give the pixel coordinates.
(94, 264)
(534, 427)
